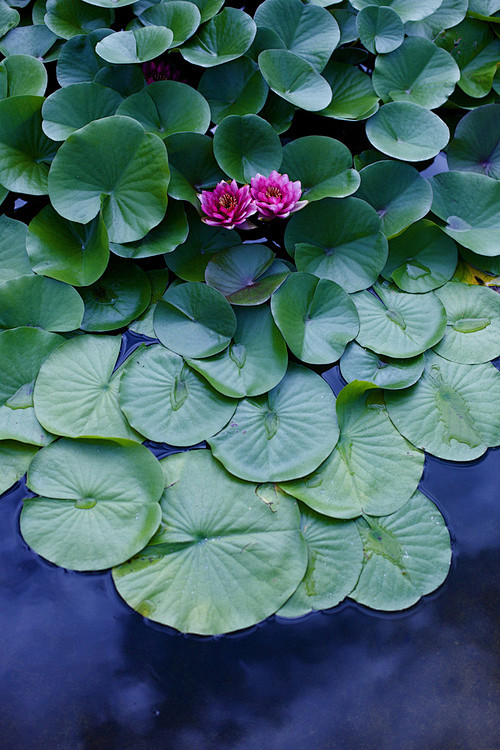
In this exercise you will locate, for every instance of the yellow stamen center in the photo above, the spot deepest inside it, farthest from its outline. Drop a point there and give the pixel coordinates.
(273, 192)
(228, 201)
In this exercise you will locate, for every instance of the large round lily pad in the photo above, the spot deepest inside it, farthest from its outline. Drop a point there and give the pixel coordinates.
(316, 317)
(398, 324)
(294, 79)
(225, 37)
(282, 435)
(475, 146)
(407, 131)
(255, 360)
(166, 401)
(182, 18)
(67, 18)
(22, 75)
(245, 146)
(76, 391)
(358, 363)
(136, 46)
(406, 555)
(473, 331)
(453, 411)
(74, 106)
(372, 469)
(14, 461)
(40, 302)
(98, 505)
(380, 29)
(14, 260)
(78, 61)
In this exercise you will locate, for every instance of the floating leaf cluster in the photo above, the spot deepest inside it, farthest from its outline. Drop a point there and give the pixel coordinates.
(115, 117)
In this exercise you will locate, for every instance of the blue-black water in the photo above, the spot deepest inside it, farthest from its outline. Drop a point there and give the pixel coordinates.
(79, 670)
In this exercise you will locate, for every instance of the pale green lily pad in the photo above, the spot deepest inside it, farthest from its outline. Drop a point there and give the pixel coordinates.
(171, 232)
(353, 97)
(76, 391)
(14, 461)
(98, 505)
(397, 324)
(294, 79)
(74, 253)
(182, 18)
(245, 146)
(246, 274)
(316, 317)
(137, 46)
(225, 37)
(408, 10)
(407, 131)
(473, 331)
(475, 146)
(158, 279)
(452, 412)
(272, 437)
(22, 75)
(74, 106)
(397, 192)
(380, 29)
(372, 468)
(236, 88)
(449, 14)
(28, 40)
(323, 165)
(68, 18)
(223, 558)
(193, 167)
(358, 363)
(14, 260)
(468, 203)
(406, 555)
(194, 320)
(338, 239)
(39, 302)
(254, 362)
(421, 259)
(167, 402)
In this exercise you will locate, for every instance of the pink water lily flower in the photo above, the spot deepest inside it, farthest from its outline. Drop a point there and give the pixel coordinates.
(276, 195)
(227, 206)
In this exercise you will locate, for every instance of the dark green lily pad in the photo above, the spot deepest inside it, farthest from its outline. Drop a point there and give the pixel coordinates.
(39, 302)
(163, 238)
(246, 145)
(14, 260)
(74, 106)
(236, 88)
(225, 37)
(193, 166)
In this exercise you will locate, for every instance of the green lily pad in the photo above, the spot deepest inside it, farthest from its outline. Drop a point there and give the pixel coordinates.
(421, 259)
(380, 29)
(468, 203)
(244, 557)
(453, 410)
(124, 79)
(406, 555)
(323, 165)
(473, 331)
(137, 46)
(164, 238)
(78, 61)
(70, 108)
(193, 166)
(246, 274)
(76, 391)
(22, 75)
(35, 41)
(14, 260)
(246, 145)
(294, 79)
(338, 239)
(482, 262)
(278, 113)
(75, 253)
(168, 402)
(168, 107)
(14, 461)
(306, 30)
(236, 88)
(449, 14)
(316, 317)
(358, 477)
(407, 131)
(254, 362)
(98, 505)
(68, 18)
(129, 185)
(9, 18)
(158, 279)
(182, 18)
(194, 320)
(207, 8)
(417, 72)
(225, 37)
(110, 3)
(353, 97)
(486, 10)
(121, 294)
(408, 10)
(475, 146)
(397, 324)
(358, 363)
(272, 437)
(25, 152)
(39, 302)
(397, 192)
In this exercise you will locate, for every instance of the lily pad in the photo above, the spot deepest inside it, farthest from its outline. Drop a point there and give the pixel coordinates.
(254, 362)
(236, 88)
(246, 274)
(182, 18)
(421, 259)
(129, 185)
(143, 325)
(406, 555)
(137, 46)
(323, 165)
(75, 253)
(246, 145)
(294, 79)
(168, 107)
(124, 79)
(380, 29)
(475, 146)
(407, 131)
(74, 106)
(39, 302)
(14, 461)
(397, 192)
(473, 331)
(408, 10)
(353, 97)
(14, 260)
(22, 75)
(28, 40)
(193, 166)
(244, 557)
(68, 18)
(338, 239)
(272, 437)
(166, 401)
(225, 37)
(194, 320)
(372, 469)
(449, 14)
(78, 61)
(98, 505)
(9, 18)
(358, 363)
(316, 317)
(163, 238)
(76, 391)
(452, 412)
